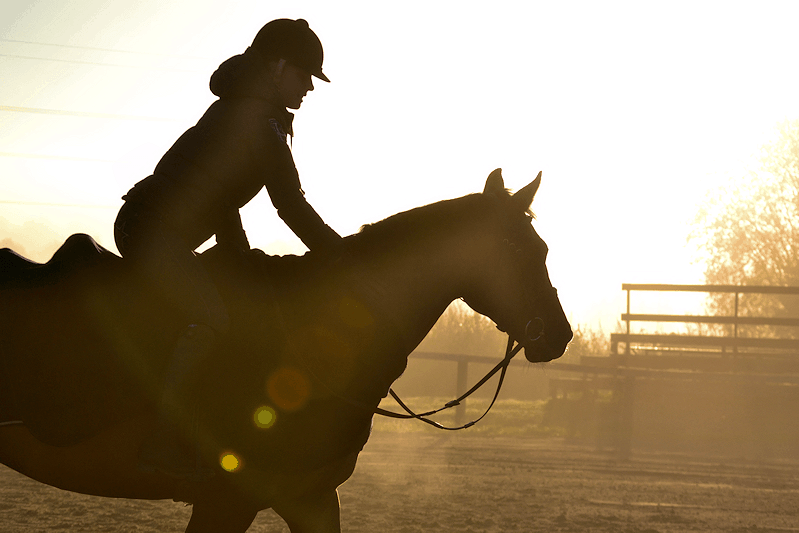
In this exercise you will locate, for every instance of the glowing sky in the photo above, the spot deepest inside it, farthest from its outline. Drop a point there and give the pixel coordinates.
(633, 110)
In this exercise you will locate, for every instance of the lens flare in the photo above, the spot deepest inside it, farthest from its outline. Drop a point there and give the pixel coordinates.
(230, 462)
(288, 388)
(265, 417)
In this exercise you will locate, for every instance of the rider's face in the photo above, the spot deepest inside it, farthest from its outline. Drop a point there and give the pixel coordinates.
(292, 83)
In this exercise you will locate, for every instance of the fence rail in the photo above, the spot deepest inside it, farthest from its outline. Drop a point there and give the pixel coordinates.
(739, 289)
(707, 341)
(698, 319)
(721, 358)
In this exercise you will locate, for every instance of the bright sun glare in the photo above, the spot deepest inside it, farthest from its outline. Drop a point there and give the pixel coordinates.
(632, 110)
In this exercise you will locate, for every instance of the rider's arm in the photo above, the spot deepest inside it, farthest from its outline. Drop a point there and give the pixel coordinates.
(283, 185)
(230, 232)
(303, 219)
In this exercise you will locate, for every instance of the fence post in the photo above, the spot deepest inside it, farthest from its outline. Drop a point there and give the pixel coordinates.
(460, 388)
(735, 326)
(625, 404)
(627, 344)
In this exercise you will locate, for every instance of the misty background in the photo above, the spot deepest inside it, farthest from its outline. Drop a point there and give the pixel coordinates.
(666, 133)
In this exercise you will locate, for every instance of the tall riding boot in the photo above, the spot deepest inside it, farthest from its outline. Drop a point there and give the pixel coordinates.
(172, 449)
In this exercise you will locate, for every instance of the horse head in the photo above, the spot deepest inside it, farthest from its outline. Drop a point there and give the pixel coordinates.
(520, 297)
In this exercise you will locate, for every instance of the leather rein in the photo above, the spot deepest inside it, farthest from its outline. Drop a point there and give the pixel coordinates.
(501, 367)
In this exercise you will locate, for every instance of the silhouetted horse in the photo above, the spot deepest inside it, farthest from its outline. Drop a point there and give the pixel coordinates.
(287, 402)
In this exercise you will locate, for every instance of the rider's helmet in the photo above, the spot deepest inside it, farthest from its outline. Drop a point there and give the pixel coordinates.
(294, 41)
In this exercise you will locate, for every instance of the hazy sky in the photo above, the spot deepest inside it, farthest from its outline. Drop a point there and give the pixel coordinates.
(632, 110)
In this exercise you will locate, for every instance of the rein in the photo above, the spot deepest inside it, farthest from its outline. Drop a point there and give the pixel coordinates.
(502, 366)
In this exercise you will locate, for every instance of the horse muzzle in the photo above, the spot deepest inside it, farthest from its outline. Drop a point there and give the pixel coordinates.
(537, 345)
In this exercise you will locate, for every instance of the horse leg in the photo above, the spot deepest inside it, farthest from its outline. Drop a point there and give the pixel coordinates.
(220, 517)
(317, 513)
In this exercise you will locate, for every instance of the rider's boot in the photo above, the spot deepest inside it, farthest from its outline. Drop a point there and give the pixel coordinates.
(172, 449)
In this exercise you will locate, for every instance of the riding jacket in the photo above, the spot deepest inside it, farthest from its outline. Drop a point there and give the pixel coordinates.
(217, 166)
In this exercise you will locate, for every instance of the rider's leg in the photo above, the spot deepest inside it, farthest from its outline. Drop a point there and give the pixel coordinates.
(173, 448)
(170, 266)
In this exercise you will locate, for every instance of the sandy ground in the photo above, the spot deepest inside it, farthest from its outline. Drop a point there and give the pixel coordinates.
(430, 482)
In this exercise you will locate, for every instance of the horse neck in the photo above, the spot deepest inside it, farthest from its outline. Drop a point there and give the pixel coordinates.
(422, 277)
(405, 280)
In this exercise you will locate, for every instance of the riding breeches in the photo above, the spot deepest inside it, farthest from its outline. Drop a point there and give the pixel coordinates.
(169, 266)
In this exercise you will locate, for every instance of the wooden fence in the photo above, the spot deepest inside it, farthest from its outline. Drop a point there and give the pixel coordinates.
(725, 355)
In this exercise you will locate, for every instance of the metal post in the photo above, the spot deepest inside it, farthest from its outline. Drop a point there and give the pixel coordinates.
(460, 389)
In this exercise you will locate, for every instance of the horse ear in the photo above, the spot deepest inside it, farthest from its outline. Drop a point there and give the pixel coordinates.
(524, 197)
(494, 184)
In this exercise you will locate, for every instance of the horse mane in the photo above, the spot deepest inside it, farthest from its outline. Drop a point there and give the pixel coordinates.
(421, 222)
(406, 229)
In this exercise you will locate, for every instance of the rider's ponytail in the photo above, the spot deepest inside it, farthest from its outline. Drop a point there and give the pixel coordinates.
(238, 76)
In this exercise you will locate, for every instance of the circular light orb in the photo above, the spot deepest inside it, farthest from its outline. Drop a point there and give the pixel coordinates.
(230, 462)
(264, 417)
(288, 388)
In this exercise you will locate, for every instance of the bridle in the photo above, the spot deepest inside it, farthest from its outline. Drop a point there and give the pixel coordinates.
(510, 352)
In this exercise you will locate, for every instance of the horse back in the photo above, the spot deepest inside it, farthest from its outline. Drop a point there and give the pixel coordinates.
(85, 340)
(78, 252)
(81, 348)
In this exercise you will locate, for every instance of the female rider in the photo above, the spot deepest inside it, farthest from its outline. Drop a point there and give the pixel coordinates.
(237, 147)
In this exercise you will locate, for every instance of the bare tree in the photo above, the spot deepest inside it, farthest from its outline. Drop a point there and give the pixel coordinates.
(748, 231)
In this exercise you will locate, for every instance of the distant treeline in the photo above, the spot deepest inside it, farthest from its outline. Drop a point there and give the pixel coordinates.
(462, 331)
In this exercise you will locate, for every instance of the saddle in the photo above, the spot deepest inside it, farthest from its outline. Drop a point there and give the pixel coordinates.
(85, 342)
